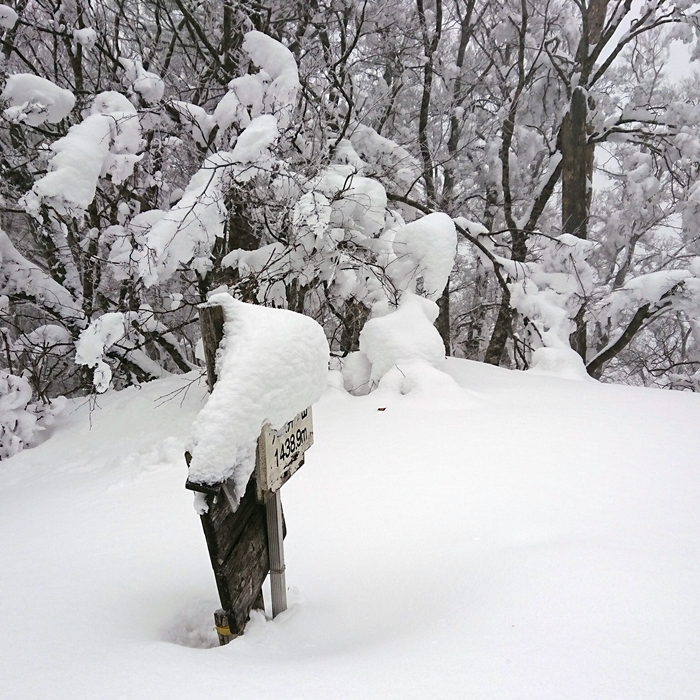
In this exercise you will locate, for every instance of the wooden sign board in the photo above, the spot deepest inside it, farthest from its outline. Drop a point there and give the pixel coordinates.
(281, 452)
(245, 538)
(237, 543)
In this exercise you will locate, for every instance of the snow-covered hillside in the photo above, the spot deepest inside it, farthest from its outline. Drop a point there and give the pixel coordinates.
(524, 537)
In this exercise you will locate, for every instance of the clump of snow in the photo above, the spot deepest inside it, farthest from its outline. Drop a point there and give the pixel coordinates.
(104, 143)
(149, 85)
(86, 37)
(402, 335)
(280, 67)
(36, 100)
(94, 341)
(386, 157)
(272, 364)
(8, 17)
(426, 249)
(559, 362)
(197, 120)
(255, 139)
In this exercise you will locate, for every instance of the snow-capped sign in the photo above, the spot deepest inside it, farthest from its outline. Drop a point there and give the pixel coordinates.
(281, 452)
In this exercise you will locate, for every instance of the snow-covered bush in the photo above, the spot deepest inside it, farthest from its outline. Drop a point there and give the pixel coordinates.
(21, 419)
(250, 151)
(406, 334)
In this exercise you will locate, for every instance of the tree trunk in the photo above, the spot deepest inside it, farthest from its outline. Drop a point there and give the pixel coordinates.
(443, 320)
(501, 332)
(354, 318)
(577, 167)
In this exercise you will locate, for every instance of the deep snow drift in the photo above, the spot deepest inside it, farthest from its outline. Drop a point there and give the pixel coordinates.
(521, 537)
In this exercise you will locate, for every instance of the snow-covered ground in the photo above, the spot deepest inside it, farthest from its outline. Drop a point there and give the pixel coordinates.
(529, 537)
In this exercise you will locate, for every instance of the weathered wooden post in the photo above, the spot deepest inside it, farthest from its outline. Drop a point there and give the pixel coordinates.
(245, 537)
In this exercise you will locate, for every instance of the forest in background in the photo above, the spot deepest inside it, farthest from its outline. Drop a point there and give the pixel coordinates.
(320, 157)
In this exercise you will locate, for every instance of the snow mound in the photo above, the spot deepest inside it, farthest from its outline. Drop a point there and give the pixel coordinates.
(426, 385)
(272, 364)
(564, 363)
(401, 351)
(405, 334)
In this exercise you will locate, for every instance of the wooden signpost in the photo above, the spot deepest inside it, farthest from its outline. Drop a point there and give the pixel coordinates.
(245, 537)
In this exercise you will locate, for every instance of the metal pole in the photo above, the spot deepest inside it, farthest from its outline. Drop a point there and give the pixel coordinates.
(278, 579)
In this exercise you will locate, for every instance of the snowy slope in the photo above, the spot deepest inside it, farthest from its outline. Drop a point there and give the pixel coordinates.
(529, 537)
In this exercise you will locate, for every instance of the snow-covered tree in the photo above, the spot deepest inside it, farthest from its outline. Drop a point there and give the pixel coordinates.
(324, 157)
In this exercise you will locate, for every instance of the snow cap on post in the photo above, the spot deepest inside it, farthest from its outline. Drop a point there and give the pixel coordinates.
(271, 365)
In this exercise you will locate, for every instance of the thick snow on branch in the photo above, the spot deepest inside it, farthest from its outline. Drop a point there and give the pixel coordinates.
(104, 143)
(255, 140)
(426, 249)
(272, 364)
(279, 68)
(358, 202)
(244, 101)
(120, 334)
(386, 156)
(190, 228)
(86, 37)
(664, 289)
(149, 85)
(95, 340)
(198, 121)
(8, 17)
(550, 292)
(21, 278)
(36, 100)
(649, 288)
